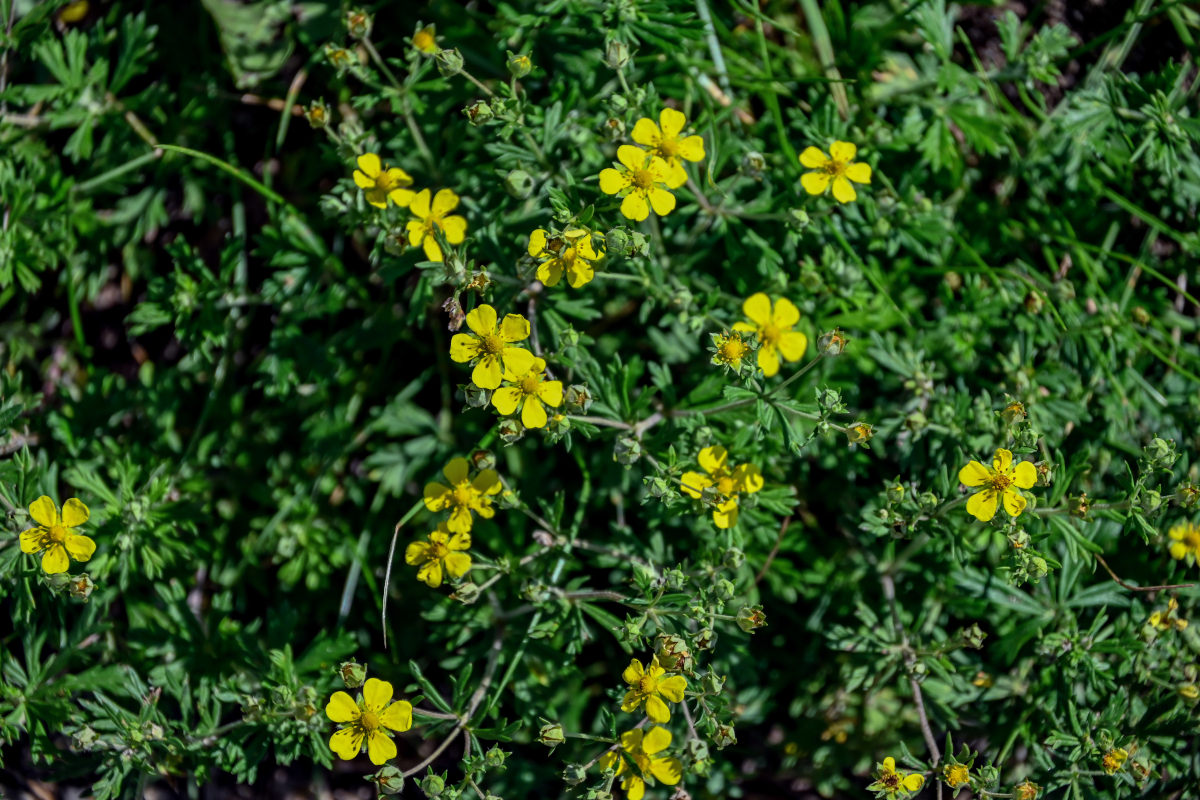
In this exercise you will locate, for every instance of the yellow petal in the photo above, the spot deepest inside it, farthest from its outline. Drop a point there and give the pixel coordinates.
(748, 478)
(380, 747)
(580, 274)
(459, 522)
(376, 694)
(416, 553)
(537, 242)
(550, 272)
(913, 782)
(551, 393)
(346, 743)
(813, 158)
(666, 770)
(482, 320)
(656, 740)
(632, 700)
(444, 202)
(691, 148)
(458, 564)
(433, 250)
(459, 541)
(463, 347)
(1177, 550)
(341, 708)
(517, 360)
(632, 157)
(792, 345)
(645, 132)
(378, 198)
(430, 573)
(505, 399)
(487, 482)
(514, 329)
(55, 560)
(420, 204)
(673, 688)
(634, 207)
(859, 173)
(662, 201)
(982, 505)
(843, 152)
(1002, 461)
(693, 483)
(785, 314)
(713, 458)
(634, 672)
(397, 716)
(889, 764)
(1025, 475)
(974, 474)
(745, 327)
(635, 787)
(533, 413)
(436, 496)
(657, 710)
(843, 190)
(402, 197)
(815, 182)
(32, 541)
(768, 361)
(487, 373)
(757, 309)
(726, 515)
(1014, 503)
(455, 228)
(80, 547)
(456, 470)
(672, 122)
(416, 232)
(44, 512)
(362, 181)
(370, 165)
(613, 182)
(676, 175)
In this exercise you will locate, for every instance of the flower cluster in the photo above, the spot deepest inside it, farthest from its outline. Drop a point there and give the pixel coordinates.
(444, 551)
(727, 481)
(644, 178)
(652, 688)
(383, 184)
(571, 253)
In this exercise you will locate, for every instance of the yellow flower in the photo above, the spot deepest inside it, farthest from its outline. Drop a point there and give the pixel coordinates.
(425, 39)
(1113, 760)
(665, 143)
(774, 329)
(643, 179)
(463, 495)
(369, 719)
(490, 346)
(1185, 542)
(729, 349)
(73, 12)
(892, 783)
(728, 481)
(956, 775)
(837, 168)
(528, 390)
(381, 183)
(1166, 620)
(650, 687)
(1027, 790)
(998, 481)
(642, 751)
(53, 534)
(433, 216)
(444, 552)
(572, 254)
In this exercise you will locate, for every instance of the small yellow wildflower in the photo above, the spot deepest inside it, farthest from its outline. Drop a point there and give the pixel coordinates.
(1113, 760)
(53, 534)
(381, 183)
(528, 390)
(892, 783)
(1185, 542)
(663, 140)
(729, 349)
(370, 719)
(572, 254)
(73, 12)
(642, 181)
(430, 217)
(998, 482)
(956, 775)
(1167, 620)
(1028, 790)
(836, 168)
(642, 750)
(491, 346)
(463, 495)
(425, 39)
(444, 552)
(773, 326)
(728, 481)
(650, 687)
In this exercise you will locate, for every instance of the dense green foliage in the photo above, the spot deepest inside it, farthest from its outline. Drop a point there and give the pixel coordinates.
(244, 370)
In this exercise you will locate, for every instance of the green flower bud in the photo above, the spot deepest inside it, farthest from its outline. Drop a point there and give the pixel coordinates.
(577, 398)
(724, 736)
(616, 55)
(467, 593)
(927, 501)
(1013, 412)
(753, 165)
(81, 587)
(519, 184)
(483, 459)
(706, 639)
(751, 618)
(658, 487)
(358, 24)
(478, 112)
(895, 493)
(389, 780)
(574, 774)
(972, 636)
(695, 751)
(631, 630)
(552, 735)
(798, 218)
(475, 397)
(317, 114)
(1025, 437)
(495, 758)
(352, 674)
(617, 240)
(810, 279)
(433, 785)
(725, 589)
(627, 450)
(674, 579)
(1160, 453)
(1151, 501)
(569, 338)
(1141, 316)
(915, 421)
(518, 65)
(511, 430)
(339, 58)
(1188, 494)
(733, 558)
(449, 62)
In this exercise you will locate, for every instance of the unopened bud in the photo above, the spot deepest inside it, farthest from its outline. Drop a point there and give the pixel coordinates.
(81, 587)
(616, 55)
(478, 112)
(706, 639)
(519, 184)
(389, 780)
(358, 24)
(317, 114)
(552, 735)
(725, 590)
(753, 165)
(1188, 494)
(751, 618)
(352, 674)
(895, 493)
(495, 757)
(84, 738)
(433, 785)
(627, 449)
(574, 774)
(859, 433)
(798, 218)
(339, 58)
(733, 558)
(1160, 453)
(724, 736)
(449, 63)
(673, 653)
(519, 65)
(466, 593)
(476, 397)
(1026, 791)
(577, 398)
(1080, 506)
(1034, 302)
(972, 636)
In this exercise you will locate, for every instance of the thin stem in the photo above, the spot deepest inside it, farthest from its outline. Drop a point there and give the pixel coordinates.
(1125, 585)
(910, 660)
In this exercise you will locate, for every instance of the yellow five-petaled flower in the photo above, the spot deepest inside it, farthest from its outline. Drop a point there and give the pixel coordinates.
(642, 750)
(1185, 541)
(443, 553)
(572, 254)
(651, 686)
(837, 168)
(528, 391)
(369, 719)
(382, 183)
(892, 783)
(997, 483)
(464, 495)
(643, 181)
(663, 140)
(54, 536)
(433, 216)
(490, 346)
(728, 481)
(773, 326)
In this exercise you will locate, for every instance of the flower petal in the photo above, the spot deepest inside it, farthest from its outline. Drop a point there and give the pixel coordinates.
(859, 173)
(633, 698)
(416, 553)
(673, 688)
(437, 496)
(370, 165)
(402, 197)
(635, 787)
(458, 564)
(813, 158)
(380, 747)
(785, 314)
(768, 360)
(634, 207)
(362, 181)
(757, 309)
(913, 782)
(676, 175)
(613, 182)
(713, 458)
(657, 710)
(748, 478)
(515, 328)
(533, 413)
(656, 740)
(1014, 503)
(632, 157)
(889, 764)
(44, 512)
(726, 515)
(982, 505)
(662, 201)
(506, 399)
(397, 716)
(634, 672)
(1177, 550)
(444, 202)
(346, 743)
(666, 770)
(550, 272)
(487, 482)
(693, 483)
(463, 347)
(459, 541)
(691, 148)
(974, 474)
(843, 152)
(1025, 475)
(55, 560)
(645, 132)
(32, 541)
(815, 182)
(1002, 461)
(482, 320)
(416, 232)
(433, 250)
(376, 694)
(456, 470)
(537, 242)
(80, 547)
(487, 373)
(455, 228)
(672, 122)
(420, 205)
(342, 708)
(518, 360)
(580, 273)
(792, 345)
(843, 190)
(430, 573)
(551, 393)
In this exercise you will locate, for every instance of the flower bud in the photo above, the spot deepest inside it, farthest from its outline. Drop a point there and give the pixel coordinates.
(1034, 302)
(467, 593)
(449, 63)
(1160, 453)
(627, 449)
(425, 40)
(519, 184)
(916, 421)
(725, 590)
(724, 736)
(860, 433)
(616, 55)
(895, 493)
(352, 674)
(798, 218)
(475, 397)
(552, 735)
(389, 780)
(495, 758)
(478, 112)
(510, 430)
(751, 618)
(972, 636)
(1080, 506)
(631, 629)
(673, 653)
(317, 114)
(712, 683)
(658, 487)
(1045, 473)
(927, 501)
(81, 587)
(674, 578)
(1188, 494)
(1151, 501)
(1026, 791)
(832, 343)
(1013, 412)
(84, 738)
(753, 165)
(433, 785)
(733, 558)
(1025, 437)
(1189, 692)
(695, 751)
(617, 241)
(574, 774)
(518, 65)
(339, 58)
(706, 639)
(577, 398)
(1140, 315)
(358, 24)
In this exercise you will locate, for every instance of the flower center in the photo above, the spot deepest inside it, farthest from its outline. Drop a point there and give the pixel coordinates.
(462, 494)
(725, 486)
(57, 534)
(835, 168)
(642, 179)
(999, 481)
(769, 335)
(369, 721)
(384, 182)
(437, 551)
(646, 684)
(491, 344)
(530, 384)
(668, 148)
(732, 350)
(890, 779)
